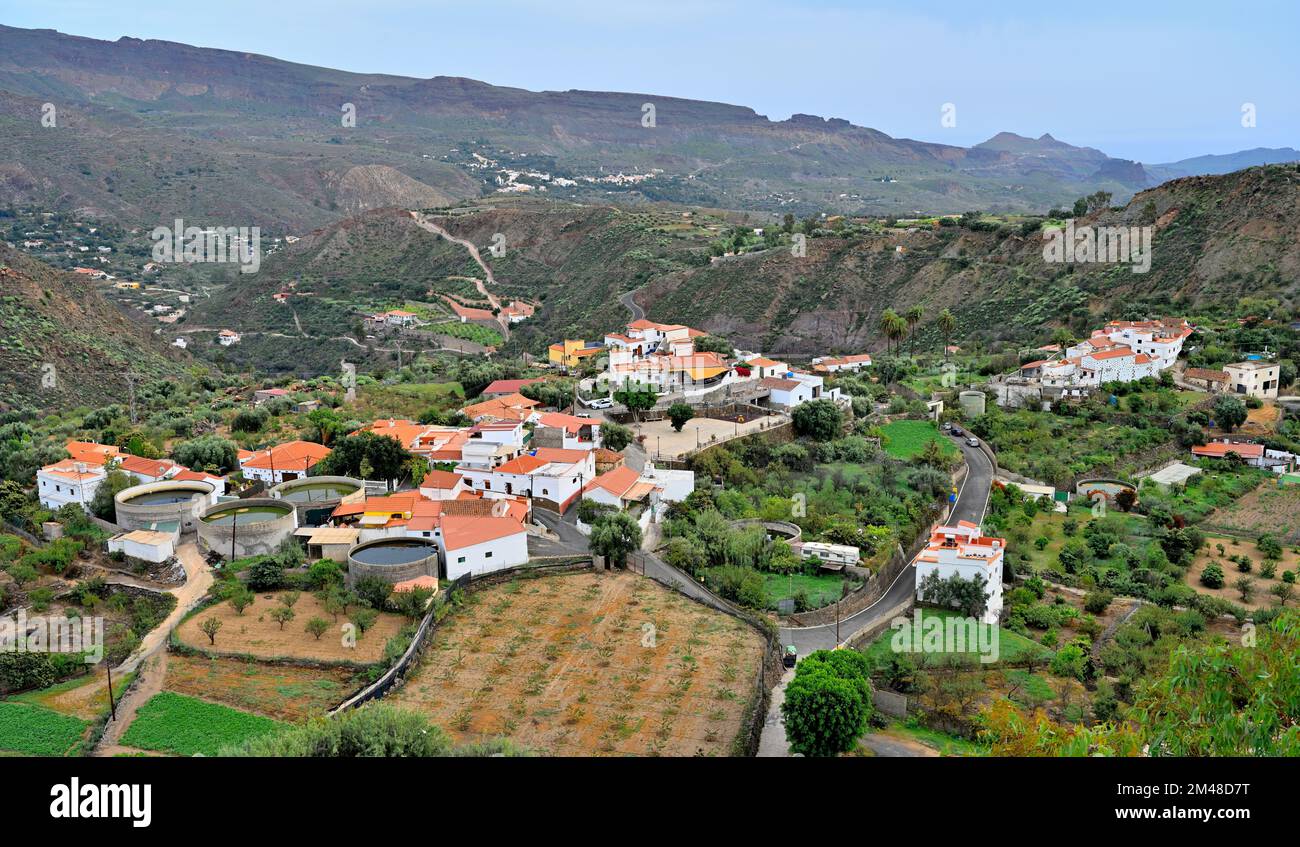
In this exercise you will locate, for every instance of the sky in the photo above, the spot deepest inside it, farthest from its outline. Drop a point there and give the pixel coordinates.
(1150, 80)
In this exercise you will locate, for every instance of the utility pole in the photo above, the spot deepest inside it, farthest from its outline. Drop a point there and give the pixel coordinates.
(112, 704)
(130, 381)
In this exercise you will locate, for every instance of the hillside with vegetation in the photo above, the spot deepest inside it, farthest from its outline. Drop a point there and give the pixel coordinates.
(63, 345)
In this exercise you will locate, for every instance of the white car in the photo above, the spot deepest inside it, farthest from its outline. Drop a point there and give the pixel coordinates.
(600, 403)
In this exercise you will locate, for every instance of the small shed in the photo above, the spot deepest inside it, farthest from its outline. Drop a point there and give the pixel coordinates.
(144, 544)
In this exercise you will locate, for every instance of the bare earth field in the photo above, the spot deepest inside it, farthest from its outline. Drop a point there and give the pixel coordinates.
(1268, 508)
(588, 664)
(1261, 597)
(254, 633)
(284, 692)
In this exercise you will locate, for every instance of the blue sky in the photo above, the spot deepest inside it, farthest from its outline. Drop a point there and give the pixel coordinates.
(1151, 80)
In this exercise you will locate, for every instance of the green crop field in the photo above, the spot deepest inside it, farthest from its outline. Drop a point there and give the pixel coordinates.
(470, 332)
(906, 439)
(174, 723)
(36, 731)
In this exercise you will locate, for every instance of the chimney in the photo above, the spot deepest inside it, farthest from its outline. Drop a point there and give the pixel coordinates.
(81, 467)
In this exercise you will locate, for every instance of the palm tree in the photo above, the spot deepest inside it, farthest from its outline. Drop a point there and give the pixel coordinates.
(892, 326)
(947, 325)
(913, 317)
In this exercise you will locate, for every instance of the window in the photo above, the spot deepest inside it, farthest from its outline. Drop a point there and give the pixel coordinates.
(460, 560)
(487, 555)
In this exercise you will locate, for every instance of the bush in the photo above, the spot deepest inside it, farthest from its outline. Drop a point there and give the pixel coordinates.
(828, 703)
(1212, 576)
(1096, 602)
(266, 574)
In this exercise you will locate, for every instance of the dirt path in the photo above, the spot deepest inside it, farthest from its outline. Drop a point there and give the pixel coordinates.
(150, 658)
(425, 223)
(889, 744)
(148, 683)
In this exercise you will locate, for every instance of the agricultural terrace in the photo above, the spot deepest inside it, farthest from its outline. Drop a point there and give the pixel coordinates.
(55, 721)
(588, 664)
(908, 439)
(1252, 577)
(1269, 508)
(256, 632)
(186, 726)
(280, 691)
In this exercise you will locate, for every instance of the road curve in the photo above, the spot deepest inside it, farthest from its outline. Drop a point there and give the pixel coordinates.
(972, 500)
(629, 301)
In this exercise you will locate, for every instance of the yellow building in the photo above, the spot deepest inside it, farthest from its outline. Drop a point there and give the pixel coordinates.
(571, 352)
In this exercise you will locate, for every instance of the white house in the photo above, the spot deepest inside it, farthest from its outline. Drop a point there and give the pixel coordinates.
(675, 486)
(442, 485)
(796, 387)
(480, 545)
(228, 337)
(835, 364)
(291, 460)
(621, 488)
(552, 478)
(144, 544)
(68, 481)
(961, 550)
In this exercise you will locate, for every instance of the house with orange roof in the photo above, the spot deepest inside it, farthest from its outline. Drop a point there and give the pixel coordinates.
(442, 485)
(291, 460)
(517, 311)
(479, 545)
(512, 407)
(835, 364)
(578, 433)
(572, 352)
(552, 478)
(396, 317)
(962, 550)
(621, 488)
(506, 387)
(761, 367)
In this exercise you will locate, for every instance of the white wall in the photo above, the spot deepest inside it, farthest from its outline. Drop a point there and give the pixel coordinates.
(504, 553)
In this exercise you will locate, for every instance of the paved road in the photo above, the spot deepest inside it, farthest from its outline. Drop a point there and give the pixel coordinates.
(627, 300)
(971, 503)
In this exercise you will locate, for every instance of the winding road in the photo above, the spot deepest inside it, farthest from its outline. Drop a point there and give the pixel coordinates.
(426, 224)
(972, 500)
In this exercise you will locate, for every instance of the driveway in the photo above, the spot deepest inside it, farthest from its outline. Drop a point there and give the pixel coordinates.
(972, 500)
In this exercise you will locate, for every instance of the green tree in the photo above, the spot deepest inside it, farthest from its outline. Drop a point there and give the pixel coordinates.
(282, 615)
(210, 627)
(913, 317)
(383, 456)
(1229, 412)
(615, 436)
(102, 504)
(828, 703)
(947, 325)
(636, 399)
(614, 536)
(892, 326)
(820, 420)
(317, 627)
(208, 453)
(679, 413)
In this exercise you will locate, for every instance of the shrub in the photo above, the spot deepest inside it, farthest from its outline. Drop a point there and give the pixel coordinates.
(1212, 576)
(828, 703)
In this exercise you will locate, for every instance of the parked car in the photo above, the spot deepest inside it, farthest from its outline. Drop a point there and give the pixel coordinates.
(946, 426)
(601, 403)
(973, 441)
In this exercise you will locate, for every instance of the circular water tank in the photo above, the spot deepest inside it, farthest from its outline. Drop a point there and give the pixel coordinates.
(972, 403)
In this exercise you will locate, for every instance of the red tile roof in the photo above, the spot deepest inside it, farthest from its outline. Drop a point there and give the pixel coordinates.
(461, 532)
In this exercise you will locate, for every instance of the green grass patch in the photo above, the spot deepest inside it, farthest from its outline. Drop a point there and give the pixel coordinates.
(821, 589)
(1012, 647)
(36, 731)
(477, 333)
(175, 723)
(907, 439)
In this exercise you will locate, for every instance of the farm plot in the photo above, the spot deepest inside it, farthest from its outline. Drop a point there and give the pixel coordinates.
(1269, 508)
(173, 723)
(588, 664)
(256, 633)
(283, 692)
(907, 439)
(29, 730)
